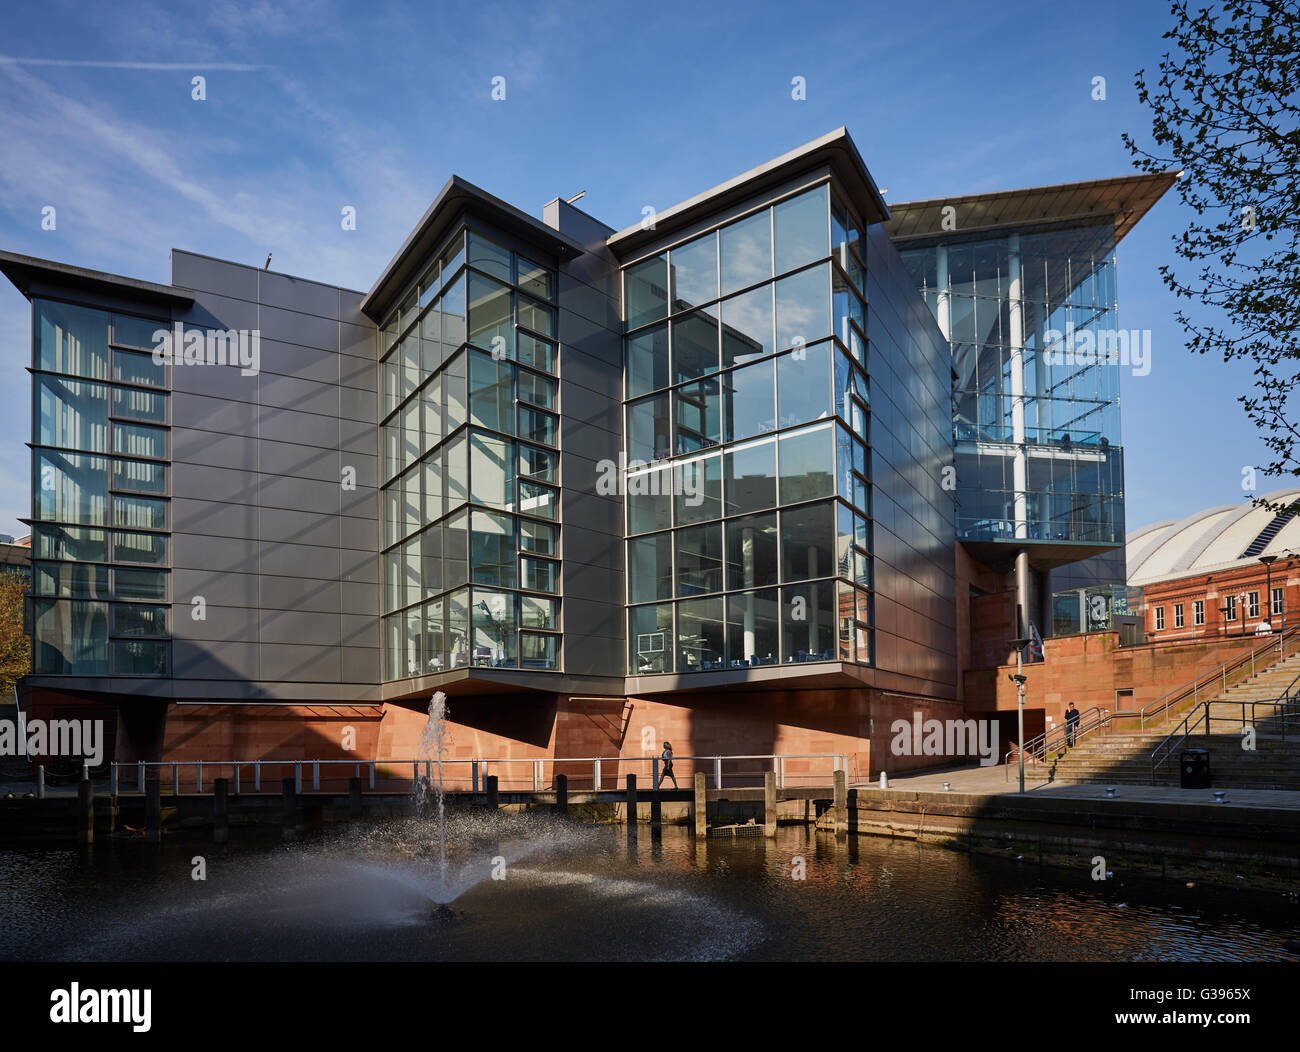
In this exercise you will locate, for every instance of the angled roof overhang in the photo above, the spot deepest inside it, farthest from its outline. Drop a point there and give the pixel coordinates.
(35, 277)
(1122, 201)
(455, 199)
(835, 149)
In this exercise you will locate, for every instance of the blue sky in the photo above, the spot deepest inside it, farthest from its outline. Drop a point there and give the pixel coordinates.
(374, 105)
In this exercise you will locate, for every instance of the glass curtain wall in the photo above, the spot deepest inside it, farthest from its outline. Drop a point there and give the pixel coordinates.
(1031, 320)
(746, 436)
(470, 466)
(100, 507)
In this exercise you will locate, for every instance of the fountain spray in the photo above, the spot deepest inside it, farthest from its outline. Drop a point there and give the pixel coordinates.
(433, 745)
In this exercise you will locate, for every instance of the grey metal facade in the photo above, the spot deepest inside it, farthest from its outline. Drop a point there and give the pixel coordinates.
(290, 578)
(274, 509)
(912, 511)
(266, 558)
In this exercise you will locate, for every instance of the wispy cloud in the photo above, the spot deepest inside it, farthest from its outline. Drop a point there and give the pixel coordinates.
(93, 162)
(228, 67)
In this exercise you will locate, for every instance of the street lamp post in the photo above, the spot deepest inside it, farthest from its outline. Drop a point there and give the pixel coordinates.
(1019, 680)
(1268, 561)
(1241, 603)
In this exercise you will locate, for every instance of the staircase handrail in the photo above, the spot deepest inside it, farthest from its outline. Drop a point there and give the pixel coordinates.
(1091, 719)
(1220, 672)
(1167, 745)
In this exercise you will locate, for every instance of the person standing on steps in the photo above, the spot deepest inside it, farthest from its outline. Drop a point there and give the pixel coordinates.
(1071, 725)
(666, 771)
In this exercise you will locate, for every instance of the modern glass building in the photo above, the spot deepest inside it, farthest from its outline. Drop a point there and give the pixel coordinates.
(100, 526)
(1022, 284)
(469, 501)
(692, 477)
(746, 436)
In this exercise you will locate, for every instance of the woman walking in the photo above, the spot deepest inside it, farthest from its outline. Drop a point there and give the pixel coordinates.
(667, 770)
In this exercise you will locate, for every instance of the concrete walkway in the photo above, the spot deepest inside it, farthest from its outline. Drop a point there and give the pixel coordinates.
(998, 781)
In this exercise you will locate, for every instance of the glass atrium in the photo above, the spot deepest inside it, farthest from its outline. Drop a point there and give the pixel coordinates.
(746, 443)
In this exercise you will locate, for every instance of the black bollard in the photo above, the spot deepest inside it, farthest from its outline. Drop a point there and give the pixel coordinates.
(656, 809)
(85, 812)
(153, 810)
(290, 808)
(354, 797)
(220, 811)
(631, 805)
(561, 794)
(490, 785)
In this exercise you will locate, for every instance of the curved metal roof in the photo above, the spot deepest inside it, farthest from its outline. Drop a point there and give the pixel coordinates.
(1213, 539)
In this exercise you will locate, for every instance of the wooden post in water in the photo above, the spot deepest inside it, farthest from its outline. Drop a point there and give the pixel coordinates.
(562, 794)
(289, 801)
(354, 797)
(631, 805)
(220, 811)
(85, 811)
(490, 785)
(701, 808)
(841, 804)
(656, 809)
(769, 804)
(153, 810)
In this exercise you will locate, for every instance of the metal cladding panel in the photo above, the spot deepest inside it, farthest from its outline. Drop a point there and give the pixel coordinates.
(911, 435)
(266, 530)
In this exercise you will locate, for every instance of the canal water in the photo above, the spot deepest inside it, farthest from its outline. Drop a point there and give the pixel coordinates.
(538, 888)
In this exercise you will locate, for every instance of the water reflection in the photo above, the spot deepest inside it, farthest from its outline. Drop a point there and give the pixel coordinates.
(540, 888)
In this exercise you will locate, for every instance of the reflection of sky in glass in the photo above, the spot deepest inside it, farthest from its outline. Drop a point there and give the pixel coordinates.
(800, 226)
(746, 252)
(695, 272)
(803, 386)
(801, 308)
(750, 401)
(747, 326)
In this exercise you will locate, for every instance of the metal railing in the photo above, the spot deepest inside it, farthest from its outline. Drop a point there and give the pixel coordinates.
(1285, 705)
(1217, 678)
(583, 773)
(1037, 749)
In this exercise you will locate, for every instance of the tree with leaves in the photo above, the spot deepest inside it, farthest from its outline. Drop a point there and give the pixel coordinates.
(15, 647)
(1225, 110)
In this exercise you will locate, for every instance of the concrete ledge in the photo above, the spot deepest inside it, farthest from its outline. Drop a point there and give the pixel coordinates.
(1145, 833)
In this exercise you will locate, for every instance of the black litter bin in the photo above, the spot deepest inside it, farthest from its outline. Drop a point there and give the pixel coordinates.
(1195, 769)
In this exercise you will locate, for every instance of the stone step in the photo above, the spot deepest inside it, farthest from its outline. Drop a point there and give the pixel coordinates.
(1172, 772)
(1264, 770)
(1232, 738)
(1269, 769)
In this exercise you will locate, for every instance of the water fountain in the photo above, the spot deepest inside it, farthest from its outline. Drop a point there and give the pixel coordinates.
(482, 851)
(433, 747)
(537, 886)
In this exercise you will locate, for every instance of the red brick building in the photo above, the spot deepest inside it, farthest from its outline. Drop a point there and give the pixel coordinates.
(1228, 571)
